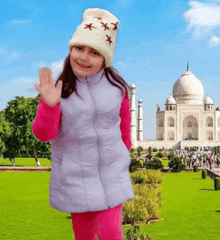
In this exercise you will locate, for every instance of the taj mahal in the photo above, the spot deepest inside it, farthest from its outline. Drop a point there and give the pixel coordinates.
(189, 119)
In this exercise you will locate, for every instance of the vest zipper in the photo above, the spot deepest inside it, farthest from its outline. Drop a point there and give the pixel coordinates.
(87, 81)
(106, 202)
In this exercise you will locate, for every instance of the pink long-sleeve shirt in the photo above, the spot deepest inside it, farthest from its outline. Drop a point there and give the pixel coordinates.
(46, 124)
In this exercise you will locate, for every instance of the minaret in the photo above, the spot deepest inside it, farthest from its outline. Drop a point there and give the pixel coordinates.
(133, 116)
(140, 134)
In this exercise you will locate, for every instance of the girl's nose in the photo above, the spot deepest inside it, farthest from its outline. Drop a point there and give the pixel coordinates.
(84, 55)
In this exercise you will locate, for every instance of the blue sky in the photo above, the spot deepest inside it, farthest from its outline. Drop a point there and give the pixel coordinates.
(155, 41)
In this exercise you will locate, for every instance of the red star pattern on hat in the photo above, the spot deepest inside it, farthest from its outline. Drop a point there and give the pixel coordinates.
(115, 26)
(105, 25)
(89, 26)
(109, 39)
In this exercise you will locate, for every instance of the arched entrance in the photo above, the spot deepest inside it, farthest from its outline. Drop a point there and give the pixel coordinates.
(170, 135)
(209, 135)
(190, 128)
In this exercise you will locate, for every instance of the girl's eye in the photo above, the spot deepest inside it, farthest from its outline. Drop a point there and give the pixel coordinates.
(95, 53)
(79, 48)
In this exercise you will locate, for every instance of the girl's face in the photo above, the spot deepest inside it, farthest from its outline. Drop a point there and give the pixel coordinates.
(85, 61)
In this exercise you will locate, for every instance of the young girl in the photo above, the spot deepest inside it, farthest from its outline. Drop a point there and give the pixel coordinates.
(87, 117)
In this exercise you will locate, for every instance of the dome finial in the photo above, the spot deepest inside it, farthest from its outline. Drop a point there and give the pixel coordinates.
(187, 69)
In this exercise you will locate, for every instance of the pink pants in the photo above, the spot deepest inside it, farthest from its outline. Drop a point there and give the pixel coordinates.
(107, 224)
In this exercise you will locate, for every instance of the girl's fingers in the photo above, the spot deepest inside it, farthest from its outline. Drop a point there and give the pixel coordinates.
(45, 76)
(41, 77)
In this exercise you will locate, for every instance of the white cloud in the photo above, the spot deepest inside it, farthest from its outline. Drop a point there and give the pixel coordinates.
(22, 86)
(121, 63)
(7, 56)
(214, 41)
(56, 67)
(202, 17)
(20, 22)
(53, 66)
(25, 86)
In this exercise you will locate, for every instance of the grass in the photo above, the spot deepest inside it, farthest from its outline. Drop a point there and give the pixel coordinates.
(191, 209)
(27, 162)
(25, 212)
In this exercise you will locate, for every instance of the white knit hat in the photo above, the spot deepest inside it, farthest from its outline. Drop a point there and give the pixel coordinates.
(98, 30)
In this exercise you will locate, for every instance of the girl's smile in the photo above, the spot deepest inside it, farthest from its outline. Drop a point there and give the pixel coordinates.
(82, 65)
(85, 61)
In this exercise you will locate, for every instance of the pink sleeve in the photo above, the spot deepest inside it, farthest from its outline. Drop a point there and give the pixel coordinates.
(46, 123)
(125, 121)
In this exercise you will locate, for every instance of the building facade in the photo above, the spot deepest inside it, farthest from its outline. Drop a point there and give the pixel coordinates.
(188, 119)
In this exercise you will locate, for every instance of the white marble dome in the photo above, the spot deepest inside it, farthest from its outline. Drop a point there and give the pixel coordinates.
(170, 100)
(188, 89)
(208, 100)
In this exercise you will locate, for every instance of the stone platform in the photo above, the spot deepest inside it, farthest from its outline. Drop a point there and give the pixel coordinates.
(11, 168)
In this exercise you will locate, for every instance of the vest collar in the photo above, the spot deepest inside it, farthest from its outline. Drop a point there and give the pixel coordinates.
(91, 79)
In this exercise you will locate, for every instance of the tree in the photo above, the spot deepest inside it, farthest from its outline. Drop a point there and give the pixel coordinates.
(149, 153)
(5, 132)
(170, 156)
(20, 114)
(139, 150)
(159, 155)
(135, 164)
(176, 164)
(155, 163)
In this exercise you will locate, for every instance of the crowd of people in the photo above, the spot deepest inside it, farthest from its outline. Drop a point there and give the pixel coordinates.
(206, 157)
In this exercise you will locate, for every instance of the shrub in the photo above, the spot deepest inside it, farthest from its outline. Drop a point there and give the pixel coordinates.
(204, 174)
(176, 164)
(149, 153)
(144, 205)
(192, 149)
(149, 156)
(195, 168)
(140, 148)
(165, 153)
(217, 183)
(159, 155)
(134, 165)
(170, 156)
(147, 176)
(155, 163)
(141, 161)
(139, 151)
(134, 233)
(131, 150)
(154, 150)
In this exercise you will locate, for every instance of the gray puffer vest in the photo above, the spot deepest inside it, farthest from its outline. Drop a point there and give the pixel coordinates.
(90, 162)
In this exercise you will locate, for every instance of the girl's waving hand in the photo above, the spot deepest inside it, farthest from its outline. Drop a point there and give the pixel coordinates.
(50, 94)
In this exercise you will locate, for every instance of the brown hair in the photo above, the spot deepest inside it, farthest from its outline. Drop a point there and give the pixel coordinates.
(69, 79)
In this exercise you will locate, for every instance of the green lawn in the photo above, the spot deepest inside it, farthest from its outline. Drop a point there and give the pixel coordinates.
(27, 162)
(25, 212)
(191, 209)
